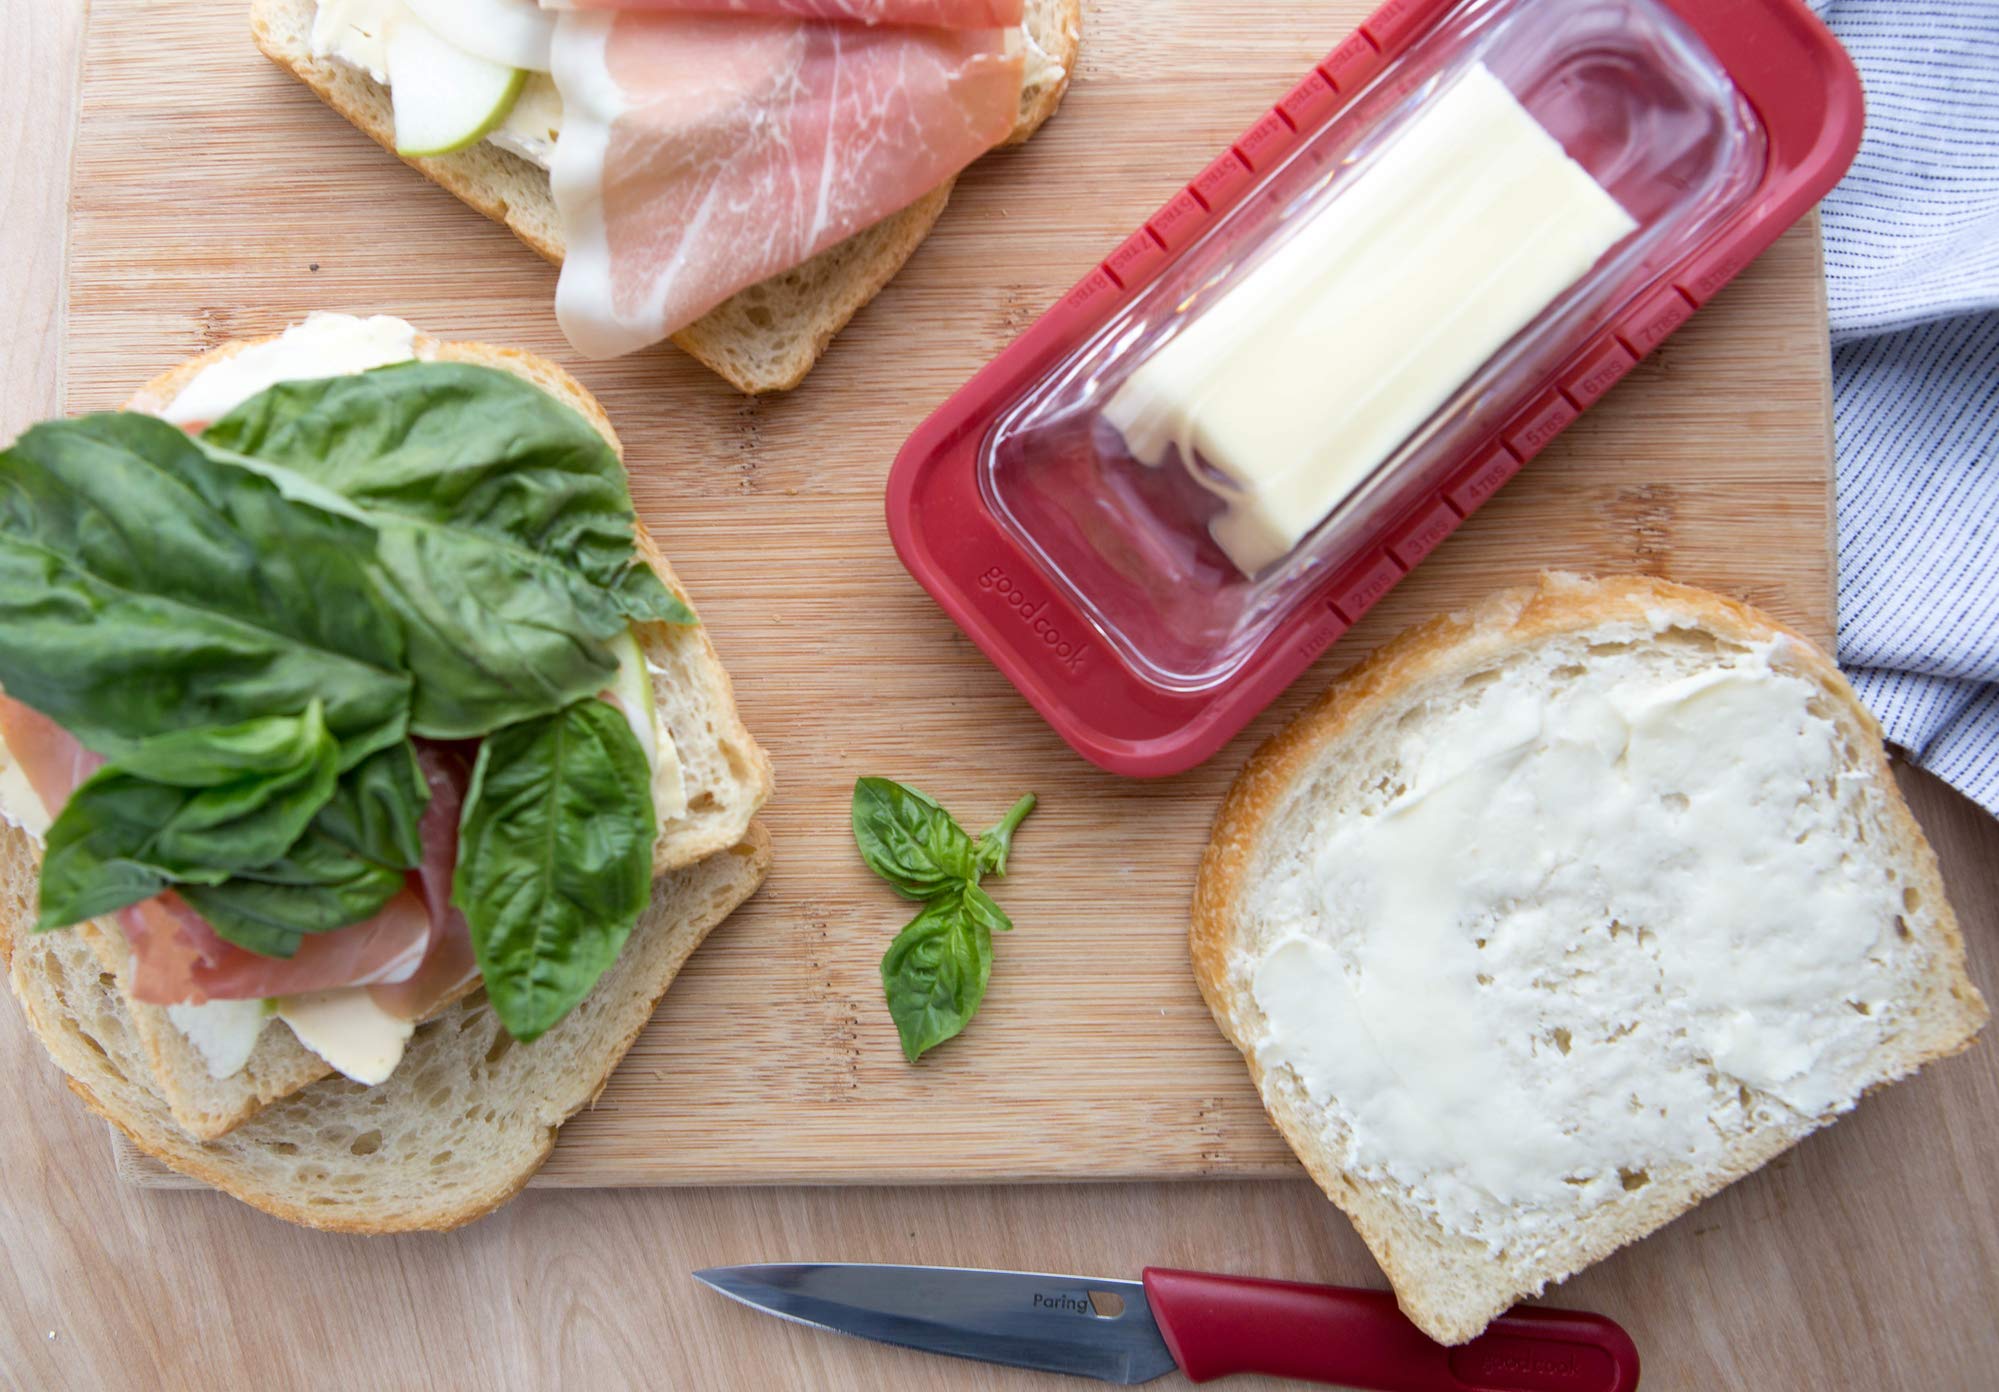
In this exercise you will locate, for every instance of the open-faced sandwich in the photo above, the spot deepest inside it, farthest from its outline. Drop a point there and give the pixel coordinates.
(740, 176)
(1554, 917)
(366, 775)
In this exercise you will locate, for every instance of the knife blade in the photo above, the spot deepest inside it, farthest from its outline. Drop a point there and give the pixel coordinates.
(1051, 1323)
(1207, 1326)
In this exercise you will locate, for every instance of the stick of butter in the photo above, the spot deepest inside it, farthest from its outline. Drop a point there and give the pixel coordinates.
(1287, 392)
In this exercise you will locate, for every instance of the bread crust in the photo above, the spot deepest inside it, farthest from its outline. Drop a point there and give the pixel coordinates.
(833, 286)
(1419, 1256)
(90, 1046)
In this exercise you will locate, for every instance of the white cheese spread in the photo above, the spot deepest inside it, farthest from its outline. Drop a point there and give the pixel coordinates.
(1601, 926)
(323, 345)
(533, 123)
(669, 776)
(1040, 68)
(356, 32)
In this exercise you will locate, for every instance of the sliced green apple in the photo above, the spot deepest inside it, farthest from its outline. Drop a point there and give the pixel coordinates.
(631, 691)
(515, 32)
(633, 688)
(445, 98)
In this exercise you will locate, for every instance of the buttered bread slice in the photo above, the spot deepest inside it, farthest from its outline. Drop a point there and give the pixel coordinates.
(1554, 918)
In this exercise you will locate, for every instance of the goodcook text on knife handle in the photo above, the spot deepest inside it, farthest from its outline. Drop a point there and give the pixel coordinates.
(1217, 1325)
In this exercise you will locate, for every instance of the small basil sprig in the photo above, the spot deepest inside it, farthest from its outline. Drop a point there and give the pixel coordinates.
(935, 972)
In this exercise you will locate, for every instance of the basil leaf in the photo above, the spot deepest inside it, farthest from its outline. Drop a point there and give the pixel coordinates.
(644, 598)
(146, 587)
(190, 806)
(935, 973)
(495, 635)
(317, 886)
(993, 846)
(980, 909)
(344, 870)
(473, 448)
(911, 842)
(377, 808)
(554, 859)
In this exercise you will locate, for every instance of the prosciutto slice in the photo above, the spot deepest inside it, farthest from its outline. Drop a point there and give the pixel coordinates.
(415, 951)
(447, 960)
(944, 14)
(179, 960)
(53, 763)
(703, 153)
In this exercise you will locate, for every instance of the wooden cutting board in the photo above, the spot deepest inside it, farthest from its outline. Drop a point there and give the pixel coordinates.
(216, 199)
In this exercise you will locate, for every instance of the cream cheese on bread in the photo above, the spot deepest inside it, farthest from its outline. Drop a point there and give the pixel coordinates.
(321, 345)
(1600, 919)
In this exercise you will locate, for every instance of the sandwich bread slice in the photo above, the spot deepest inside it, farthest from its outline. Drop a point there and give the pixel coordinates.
(457, 1130)
(764, 339)
(1555, 917)
(152, 1068)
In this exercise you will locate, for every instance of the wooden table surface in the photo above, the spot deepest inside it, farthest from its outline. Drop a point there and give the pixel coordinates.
(108, 1286)
(1709, 465)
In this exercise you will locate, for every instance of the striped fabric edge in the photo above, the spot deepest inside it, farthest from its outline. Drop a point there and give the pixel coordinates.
(1946, 727)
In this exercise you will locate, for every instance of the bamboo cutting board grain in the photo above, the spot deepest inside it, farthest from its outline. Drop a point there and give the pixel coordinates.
(215, 199)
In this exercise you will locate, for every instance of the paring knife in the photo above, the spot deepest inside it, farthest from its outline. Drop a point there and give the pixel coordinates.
(1206, 1326)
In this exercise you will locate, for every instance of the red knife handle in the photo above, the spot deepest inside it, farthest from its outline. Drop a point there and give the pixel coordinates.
(1217, 1325)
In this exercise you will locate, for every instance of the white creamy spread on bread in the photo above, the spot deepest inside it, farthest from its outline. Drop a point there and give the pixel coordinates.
(1283, 395)
(668, 777)
(322, 345)
(531, 127)
(344, 1027)
(356, 32)
(1041, 69)
(1587, 926)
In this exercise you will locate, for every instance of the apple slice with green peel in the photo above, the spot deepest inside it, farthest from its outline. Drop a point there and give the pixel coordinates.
(445, 98)
(632, 690)
(515, 32)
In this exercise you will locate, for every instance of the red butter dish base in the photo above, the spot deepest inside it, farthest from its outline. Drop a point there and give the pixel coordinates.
(1135, 689)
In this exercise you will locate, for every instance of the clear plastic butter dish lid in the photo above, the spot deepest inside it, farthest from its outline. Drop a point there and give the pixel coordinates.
(1276, 397)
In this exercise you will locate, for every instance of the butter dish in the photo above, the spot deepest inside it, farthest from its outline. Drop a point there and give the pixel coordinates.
(1274, 399)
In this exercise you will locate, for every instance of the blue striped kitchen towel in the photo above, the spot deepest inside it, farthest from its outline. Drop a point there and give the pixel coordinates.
(1912, 273)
